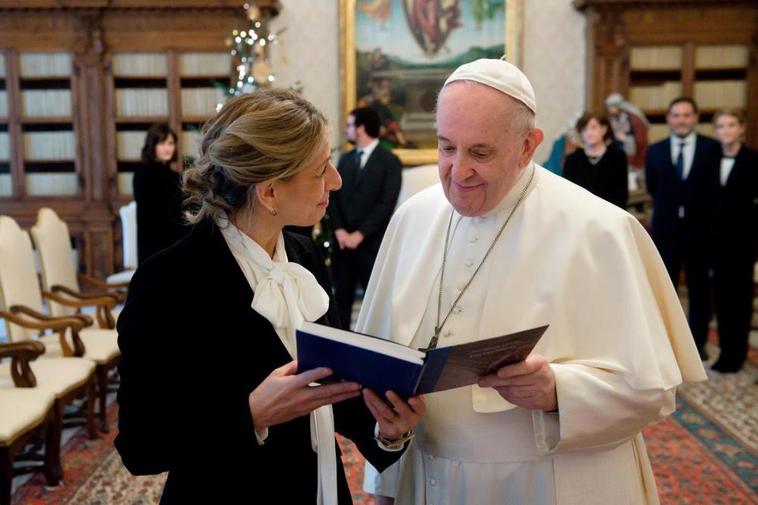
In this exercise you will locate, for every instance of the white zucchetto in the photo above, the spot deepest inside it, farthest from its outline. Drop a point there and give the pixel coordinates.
(499, 74)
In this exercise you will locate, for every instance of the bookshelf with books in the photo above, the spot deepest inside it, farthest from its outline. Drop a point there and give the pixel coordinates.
(182, 89)
(80, 84)
(654, 51)
(140, 98)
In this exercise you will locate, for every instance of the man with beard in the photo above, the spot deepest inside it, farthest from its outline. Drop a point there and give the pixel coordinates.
(361, 210)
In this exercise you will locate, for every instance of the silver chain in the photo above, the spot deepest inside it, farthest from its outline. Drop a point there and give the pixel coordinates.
(438, 326)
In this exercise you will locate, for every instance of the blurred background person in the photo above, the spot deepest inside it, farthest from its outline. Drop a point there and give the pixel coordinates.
(599, 166)
(681, 173)
(736, 239)
(157, 191)
(362, 208)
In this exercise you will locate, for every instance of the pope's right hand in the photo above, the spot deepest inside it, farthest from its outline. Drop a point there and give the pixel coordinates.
(285, 395)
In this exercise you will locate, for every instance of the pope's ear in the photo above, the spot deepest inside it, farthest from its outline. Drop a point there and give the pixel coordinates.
(532, 140)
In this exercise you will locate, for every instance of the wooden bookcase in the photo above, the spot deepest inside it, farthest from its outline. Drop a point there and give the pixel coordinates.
(175, 87)
(653, 51)
(80, 83)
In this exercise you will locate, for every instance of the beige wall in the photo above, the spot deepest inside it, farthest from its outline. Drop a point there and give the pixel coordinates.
(308, 51)
(553, 55)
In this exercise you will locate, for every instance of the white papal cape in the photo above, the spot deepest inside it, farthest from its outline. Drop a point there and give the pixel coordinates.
(618, 343)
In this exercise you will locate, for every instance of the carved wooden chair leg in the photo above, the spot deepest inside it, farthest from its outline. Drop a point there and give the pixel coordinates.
(91, 396)
(53, 429)
(6, 475)
(102, 391)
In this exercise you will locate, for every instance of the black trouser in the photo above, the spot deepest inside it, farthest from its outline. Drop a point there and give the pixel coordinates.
(694, 258)
(350, 266)
(734, 308)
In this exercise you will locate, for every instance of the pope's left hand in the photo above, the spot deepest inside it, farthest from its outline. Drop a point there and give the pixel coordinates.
(529, 384)
(397, 420)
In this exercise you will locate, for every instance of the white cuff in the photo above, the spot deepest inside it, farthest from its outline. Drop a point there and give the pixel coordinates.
(384, 447)
(261, 436)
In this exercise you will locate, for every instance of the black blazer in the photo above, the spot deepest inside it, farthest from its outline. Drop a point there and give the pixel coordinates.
(696, 193)
(368, 196)
(192, 351)
(608, 178)
(737, 209)
(160, 223)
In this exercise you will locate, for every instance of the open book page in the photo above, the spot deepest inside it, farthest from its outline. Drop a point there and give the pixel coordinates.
(462, 365)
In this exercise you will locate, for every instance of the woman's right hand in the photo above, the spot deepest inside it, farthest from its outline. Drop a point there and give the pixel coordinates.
(285, 395)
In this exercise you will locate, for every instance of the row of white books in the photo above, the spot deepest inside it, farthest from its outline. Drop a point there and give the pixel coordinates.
(5, 147)
(655, 97)
(6, 185)
(156, 64)
(724, 56)
(706, 57)
(124, 182)
(149, 102)
(717, 94)
(46, 102)
(199, 64)
(42, 146)
(45, 65)
(655, 58)
(129, 145)
(190, 144)
(52, 184)
(201, 101)
(140, 65)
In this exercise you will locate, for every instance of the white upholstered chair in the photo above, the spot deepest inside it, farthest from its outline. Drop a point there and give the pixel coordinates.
(73, 353)
(128, 214)
(60, 278)
(26, 417)
(416, 179)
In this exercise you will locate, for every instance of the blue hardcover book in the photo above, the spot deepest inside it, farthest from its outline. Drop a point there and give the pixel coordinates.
(382, 365)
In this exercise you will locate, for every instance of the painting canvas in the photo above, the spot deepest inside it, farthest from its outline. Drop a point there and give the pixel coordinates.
(402, 52)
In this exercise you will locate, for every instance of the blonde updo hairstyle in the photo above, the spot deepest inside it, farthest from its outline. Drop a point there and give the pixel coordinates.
(268, 134)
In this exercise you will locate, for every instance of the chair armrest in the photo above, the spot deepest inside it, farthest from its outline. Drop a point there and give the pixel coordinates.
(99, 283)
(57, 324)
(41, 323)
(79, 295)
(103, 304)
(21, 353)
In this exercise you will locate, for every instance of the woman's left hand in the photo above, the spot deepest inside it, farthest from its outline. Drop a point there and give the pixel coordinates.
(397, 420)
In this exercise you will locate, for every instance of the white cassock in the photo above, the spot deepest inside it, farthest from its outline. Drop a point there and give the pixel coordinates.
(618, 343)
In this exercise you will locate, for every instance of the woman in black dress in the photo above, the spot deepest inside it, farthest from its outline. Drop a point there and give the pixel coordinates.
(735, 240)
(157, 191)
(599, 166)
(209, 390)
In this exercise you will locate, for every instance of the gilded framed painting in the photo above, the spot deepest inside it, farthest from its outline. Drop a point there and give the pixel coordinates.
(396, 54)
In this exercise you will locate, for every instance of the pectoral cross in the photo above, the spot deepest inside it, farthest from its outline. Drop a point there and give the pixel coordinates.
(433, 341)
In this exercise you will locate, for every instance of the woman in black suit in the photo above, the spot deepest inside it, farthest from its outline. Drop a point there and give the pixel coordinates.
(600, 166)
(209, 391)
(158, 193)
(735, 241)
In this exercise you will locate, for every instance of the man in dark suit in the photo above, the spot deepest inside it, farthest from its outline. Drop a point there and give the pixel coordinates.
(361, 210)
(681, 172)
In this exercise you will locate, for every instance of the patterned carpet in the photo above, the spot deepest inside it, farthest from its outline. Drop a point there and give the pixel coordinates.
(706, 453)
